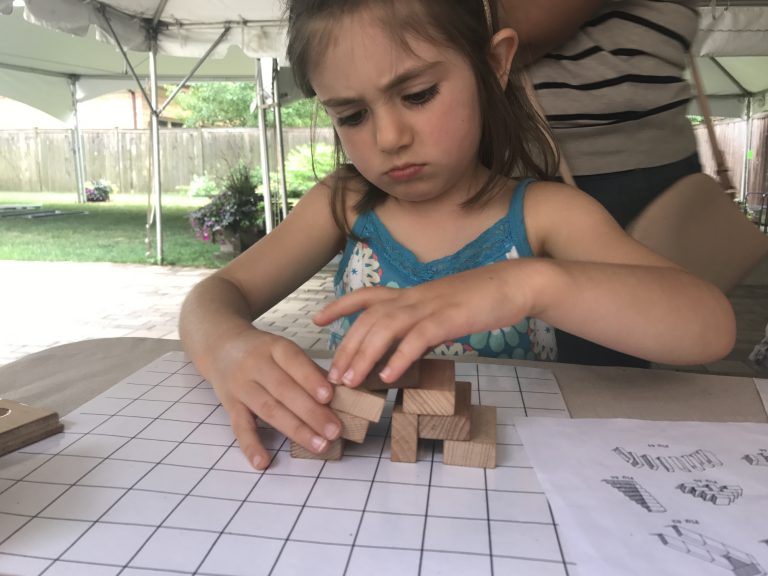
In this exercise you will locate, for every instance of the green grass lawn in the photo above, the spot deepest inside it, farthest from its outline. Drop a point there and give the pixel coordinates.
(113, 231)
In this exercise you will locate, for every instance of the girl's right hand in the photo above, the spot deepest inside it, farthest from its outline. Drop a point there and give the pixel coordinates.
(256, 373)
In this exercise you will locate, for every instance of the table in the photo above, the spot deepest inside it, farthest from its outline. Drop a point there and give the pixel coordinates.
(116, 494)
(65, 377)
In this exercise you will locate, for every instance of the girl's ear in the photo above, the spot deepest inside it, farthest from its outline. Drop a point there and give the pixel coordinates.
(503, 49)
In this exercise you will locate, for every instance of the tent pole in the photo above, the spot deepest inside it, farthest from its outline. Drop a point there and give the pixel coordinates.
(747, 146)
(279, 138)
(77, 144)
(264, 149)
(155, 133)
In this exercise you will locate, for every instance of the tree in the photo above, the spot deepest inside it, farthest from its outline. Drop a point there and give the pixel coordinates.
(229, 104)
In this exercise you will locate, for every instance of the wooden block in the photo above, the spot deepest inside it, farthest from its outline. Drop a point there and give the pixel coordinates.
(454, 427)
(22, 425)
(353, 427)
(362, 403)
(480, 450)
(335, 451)
(405, 440)
(436, 393)
(409, 378)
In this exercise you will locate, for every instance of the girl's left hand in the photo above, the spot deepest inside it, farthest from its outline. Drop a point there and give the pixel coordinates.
(418, 319)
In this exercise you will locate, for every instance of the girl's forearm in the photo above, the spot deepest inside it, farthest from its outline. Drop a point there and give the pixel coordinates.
(661, 314)
(213, 311)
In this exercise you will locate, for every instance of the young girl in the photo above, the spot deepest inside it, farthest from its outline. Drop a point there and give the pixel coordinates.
(449, 244)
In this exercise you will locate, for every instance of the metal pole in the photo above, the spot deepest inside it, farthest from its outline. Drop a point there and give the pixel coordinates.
(155, 133)
(747, 146)
(77, 144)
(279, 138)
(267, 192)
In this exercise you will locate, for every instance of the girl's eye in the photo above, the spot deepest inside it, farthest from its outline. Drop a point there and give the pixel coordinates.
(422, 96)
(354, 119)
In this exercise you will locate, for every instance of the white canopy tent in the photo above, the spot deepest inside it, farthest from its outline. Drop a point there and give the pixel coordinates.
(116, 45)
(168, 40)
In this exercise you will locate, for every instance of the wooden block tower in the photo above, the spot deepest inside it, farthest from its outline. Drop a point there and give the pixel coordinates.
(430, 404)
(441, 409)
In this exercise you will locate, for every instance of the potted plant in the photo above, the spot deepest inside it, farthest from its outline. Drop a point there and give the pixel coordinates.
(98, 191)
(234, 217)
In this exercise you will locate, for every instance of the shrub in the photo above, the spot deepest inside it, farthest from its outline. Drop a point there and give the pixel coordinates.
(303, 168)
(202, 186)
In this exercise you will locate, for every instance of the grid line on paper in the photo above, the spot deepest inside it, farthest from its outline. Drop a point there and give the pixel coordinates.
(426, 510)
(102, 460)
(367, 498)
(293, 526)
(237, 510)
(559, 542)
(149, 471)
(152, 407)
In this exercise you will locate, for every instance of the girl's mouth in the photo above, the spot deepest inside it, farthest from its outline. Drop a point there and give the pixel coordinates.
(405, 172)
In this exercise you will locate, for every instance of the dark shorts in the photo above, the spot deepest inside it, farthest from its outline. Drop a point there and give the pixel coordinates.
(624, 195)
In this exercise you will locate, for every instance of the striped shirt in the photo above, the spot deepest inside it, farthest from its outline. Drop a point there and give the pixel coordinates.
(614, 93)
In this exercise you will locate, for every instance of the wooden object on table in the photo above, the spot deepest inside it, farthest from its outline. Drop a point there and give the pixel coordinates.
(404, 435)
(436, 393)
(409, 378)
(480, 450)
(335, 451)
(353, 427)
(455, 427)
(22, 425)
(362, 403)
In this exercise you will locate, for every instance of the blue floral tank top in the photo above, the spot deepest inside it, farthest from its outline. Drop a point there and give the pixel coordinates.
(379, 260)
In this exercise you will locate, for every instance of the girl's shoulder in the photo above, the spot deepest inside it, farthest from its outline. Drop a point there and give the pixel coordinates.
(552, 208)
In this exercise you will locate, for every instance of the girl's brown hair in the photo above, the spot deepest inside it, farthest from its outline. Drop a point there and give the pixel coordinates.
(515, 140)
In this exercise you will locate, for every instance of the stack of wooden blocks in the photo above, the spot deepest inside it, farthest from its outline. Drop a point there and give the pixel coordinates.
(430, 404)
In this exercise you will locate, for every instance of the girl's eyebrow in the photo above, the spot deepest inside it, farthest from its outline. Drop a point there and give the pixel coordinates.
(402, 78)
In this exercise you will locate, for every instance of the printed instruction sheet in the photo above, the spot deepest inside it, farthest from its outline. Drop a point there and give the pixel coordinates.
(637, 497)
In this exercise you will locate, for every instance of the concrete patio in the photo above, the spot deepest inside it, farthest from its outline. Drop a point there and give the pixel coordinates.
(45, 304)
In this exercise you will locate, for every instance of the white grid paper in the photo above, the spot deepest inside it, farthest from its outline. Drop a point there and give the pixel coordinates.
(147, 479)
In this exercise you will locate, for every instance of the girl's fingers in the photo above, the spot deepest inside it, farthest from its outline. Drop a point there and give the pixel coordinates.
(246, 431)
(412, 347)
(353, 302)
(267, 407)
(298, 366)
(367, 343)
(285, 391)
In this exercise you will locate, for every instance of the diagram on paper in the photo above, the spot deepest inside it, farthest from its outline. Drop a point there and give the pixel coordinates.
(710, 550)
(698, 460)
(698, 489)
(759, 458)
(711, 491)
(632, 489)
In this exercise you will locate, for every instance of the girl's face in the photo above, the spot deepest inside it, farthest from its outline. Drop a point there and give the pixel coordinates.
(409, 120)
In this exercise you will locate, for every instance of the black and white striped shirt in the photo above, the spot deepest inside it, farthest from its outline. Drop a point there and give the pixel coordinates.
(614, 94)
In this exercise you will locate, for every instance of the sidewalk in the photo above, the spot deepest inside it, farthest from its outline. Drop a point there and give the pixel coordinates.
(45, 304)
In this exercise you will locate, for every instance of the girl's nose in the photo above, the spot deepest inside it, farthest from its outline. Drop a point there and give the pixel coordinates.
(393, 133)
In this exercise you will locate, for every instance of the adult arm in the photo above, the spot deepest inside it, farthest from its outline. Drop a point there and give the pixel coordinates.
(543, 25)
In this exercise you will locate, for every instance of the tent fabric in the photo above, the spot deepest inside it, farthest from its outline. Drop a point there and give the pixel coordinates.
(186, 28)
(732, 43)
(36, 64)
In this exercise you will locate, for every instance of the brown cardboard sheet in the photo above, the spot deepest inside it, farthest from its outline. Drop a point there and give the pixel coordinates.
(65, 377)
